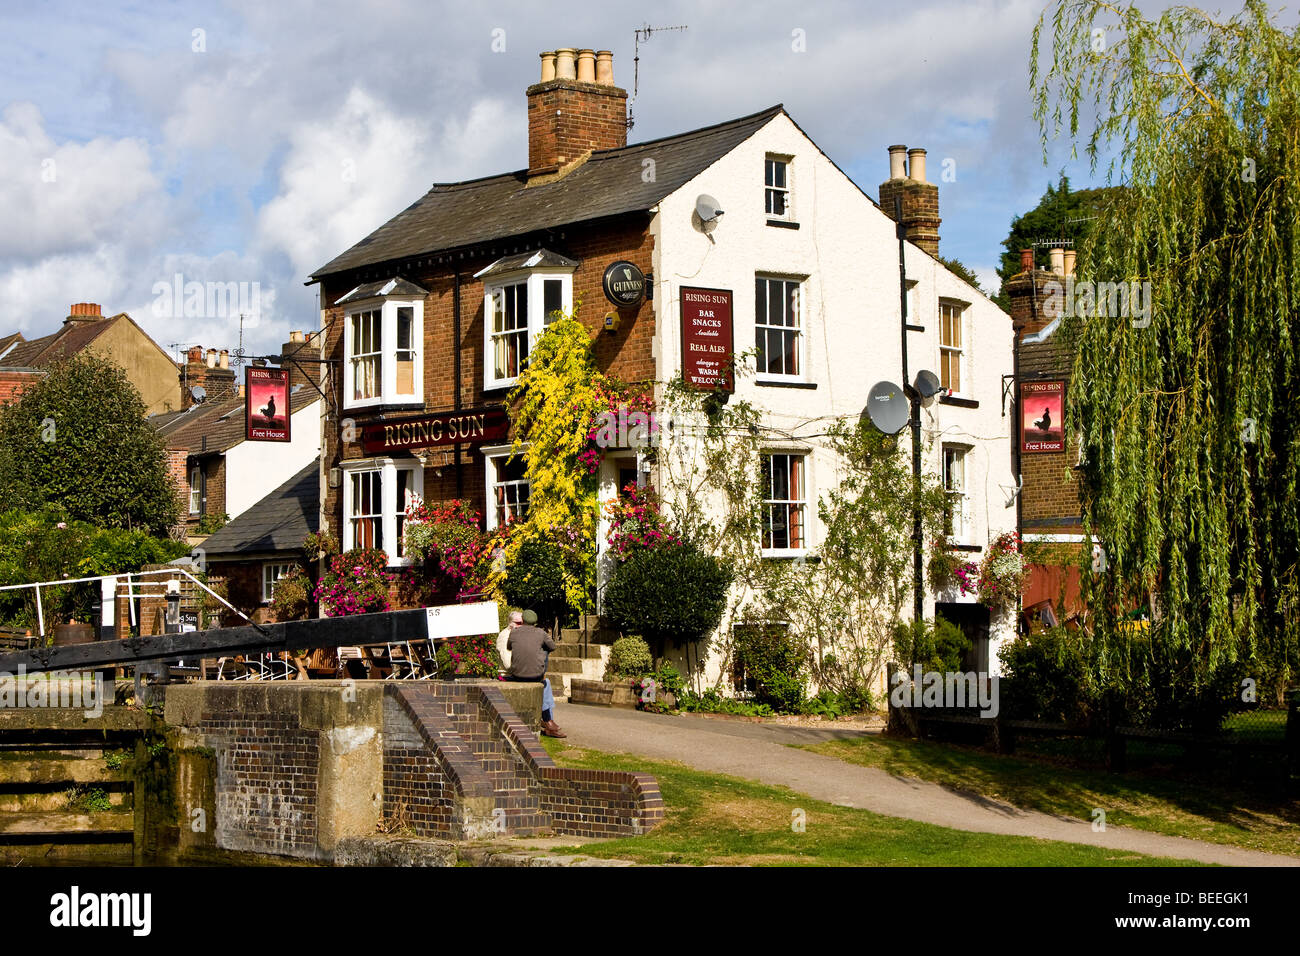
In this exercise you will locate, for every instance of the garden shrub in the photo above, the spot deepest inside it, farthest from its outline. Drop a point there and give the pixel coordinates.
(775, 662)
(535, 579)
(937, 645)
(671, 593)
(356, 583)
(471, 656)
(628, 657)
(711, 702)
(290, 596)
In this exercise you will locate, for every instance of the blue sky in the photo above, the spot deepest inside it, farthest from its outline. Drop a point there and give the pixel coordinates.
(251, 142)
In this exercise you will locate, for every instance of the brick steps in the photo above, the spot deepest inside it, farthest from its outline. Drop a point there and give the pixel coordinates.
(511, 784)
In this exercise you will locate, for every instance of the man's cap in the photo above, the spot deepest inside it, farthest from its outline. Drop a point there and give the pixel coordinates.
(530, 618)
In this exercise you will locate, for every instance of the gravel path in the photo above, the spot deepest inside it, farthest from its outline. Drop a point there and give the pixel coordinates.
(758, 751)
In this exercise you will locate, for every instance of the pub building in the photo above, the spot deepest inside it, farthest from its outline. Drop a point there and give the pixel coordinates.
(682, 252)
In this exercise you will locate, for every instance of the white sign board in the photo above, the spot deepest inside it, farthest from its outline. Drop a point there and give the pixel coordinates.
(461, 620)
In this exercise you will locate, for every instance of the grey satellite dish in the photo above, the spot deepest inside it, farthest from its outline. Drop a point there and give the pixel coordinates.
(198, 393)
(887, 408)
(927, 386)
(706, 207)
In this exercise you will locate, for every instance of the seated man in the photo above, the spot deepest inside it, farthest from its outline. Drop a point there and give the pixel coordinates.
(530, 647)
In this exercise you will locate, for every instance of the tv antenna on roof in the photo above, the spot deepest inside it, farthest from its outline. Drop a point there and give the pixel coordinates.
(643, 32)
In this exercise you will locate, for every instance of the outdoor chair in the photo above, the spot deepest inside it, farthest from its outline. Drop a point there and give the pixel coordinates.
(406, 666)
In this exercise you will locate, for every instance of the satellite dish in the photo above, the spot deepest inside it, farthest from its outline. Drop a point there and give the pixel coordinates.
(927, 386)
(706, 207)
(198, 393)
(887, 408)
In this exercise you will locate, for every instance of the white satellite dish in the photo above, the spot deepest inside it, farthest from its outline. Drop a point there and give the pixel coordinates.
(887, 408)
(198, 393)
(927, 386)
(707, 208)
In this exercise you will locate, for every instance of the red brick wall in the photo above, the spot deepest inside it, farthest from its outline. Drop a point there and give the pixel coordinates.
(627, 353)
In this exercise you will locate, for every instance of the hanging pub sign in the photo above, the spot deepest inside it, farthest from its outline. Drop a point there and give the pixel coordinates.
(1042, 417)
(707, 344)
(624, 284)
(465, 427)
(266, 404)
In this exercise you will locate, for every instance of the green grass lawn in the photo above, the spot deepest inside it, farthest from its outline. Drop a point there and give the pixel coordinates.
(715, 819)
(1051, 781)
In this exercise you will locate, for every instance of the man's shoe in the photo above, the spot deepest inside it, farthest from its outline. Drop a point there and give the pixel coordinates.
(552, 729)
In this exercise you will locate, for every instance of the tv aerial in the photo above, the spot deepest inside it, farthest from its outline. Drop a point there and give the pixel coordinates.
(643, 32)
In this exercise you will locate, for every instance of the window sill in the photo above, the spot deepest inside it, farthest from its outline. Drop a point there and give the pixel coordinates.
(971, 548)
(958, 401)
(380, 405)
(500, 386)
(783, 224)
(781, 383)
(792, 556)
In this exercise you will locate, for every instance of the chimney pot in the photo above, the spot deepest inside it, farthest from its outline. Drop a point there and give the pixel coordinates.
(1026, 260)
(195, 355)
(83, 312)
(224, 361)
(1069, 262)
(605, 67)
(212, 358)
(1058, 260)
(564, 65)
(296, 337)
(548, 66)
(898, 162)
(916, 165)
(587, 66)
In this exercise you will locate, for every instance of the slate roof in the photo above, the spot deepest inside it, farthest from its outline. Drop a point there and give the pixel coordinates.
(66, 342)
(609, 183)
(221, 422)
(278, 522)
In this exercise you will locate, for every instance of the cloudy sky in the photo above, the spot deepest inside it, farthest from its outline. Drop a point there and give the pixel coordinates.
(252, 141)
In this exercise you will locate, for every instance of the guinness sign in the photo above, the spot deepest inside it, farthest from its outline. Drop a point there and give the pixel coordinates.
(624, 284)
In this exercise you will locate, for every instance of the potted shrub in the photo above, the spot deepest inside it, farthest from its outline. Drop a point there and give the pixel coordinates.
(469, 656)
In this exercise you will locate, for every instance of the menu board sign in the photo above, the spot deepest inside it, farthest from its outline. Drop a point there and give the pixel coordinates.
(707, 341)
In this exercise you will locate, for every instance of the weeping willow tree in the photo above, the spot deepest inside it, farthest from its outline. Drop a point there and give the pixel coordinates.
(1190, 434)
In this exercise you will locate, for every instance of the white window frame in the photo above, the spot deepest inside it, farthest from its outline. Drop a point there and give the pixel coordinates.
(388, 307)
(786, 191)
(389, 505)
(535, 280)
(493, 456)
(800, 312)
(958, 351)
(273, 571)
(960, 496)
(196, 489)
(802, 502)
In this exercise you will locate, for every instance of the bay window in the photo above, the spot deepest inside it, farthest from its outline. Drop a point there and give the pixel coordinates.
(382, 336)
(376, 494)
(522, 294)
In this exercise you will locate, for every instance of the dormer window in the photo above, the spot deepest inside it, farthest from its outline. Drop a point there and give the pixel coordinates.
(382, 336)
(522, 294)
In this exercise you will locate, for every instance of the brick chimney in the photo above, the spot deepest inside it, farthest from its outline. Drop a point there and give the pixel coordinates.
(575, 108)
(920, 199)
(211, 371)
(80, 312)
(303, 371)
(1035, 293)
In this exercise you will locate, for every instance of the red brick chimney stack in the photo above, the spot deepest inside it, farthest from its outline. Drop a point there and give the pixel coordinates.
(575, 108)
(920, 198)
(83, 312)
(302, 371)
(211, 370)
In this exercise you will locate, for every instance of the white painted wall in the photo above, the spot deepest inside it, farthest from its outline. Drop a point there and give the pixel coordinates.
(256, 468)
(847, 248)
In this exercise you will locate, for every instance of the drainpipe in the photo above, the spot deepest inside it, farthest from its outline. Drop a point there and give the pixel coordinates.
(455, 331)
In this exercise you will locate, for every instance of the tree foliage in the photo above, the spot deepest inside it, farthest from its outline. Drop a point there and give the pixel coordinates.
(1190, 434)
(79, 439)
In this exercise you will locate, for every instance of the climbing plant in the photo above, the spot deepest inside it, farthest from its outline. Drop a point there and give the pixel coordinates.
(1190, 436)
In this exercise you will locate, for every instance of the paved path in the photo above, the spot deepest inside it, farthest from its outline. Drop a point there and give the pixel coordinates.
(757, 751)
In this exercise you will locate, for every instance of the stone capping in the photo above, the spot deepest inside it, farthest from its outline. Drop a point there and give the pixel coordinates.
(428, 714)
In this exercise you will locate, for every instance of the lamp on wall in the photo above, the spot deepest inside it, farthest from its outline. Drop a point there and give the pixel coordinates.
(336, 477)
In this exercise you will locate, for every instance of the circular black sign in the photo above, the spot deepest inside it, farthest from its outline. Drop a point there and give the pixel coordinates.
(624, 284)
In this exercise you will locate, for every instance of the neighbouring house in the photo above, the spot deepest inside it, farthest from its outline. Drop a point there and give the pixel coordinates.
(1050, 510)
(220, 473)
(264, 544)
(117, 338)
(431, 317)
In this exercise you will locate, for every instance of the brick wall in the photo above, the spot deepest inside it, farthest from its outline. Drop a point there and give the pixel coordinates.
(566, 118)
(417, 791)
(13, 383)
(920, 206)
(243, 581)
